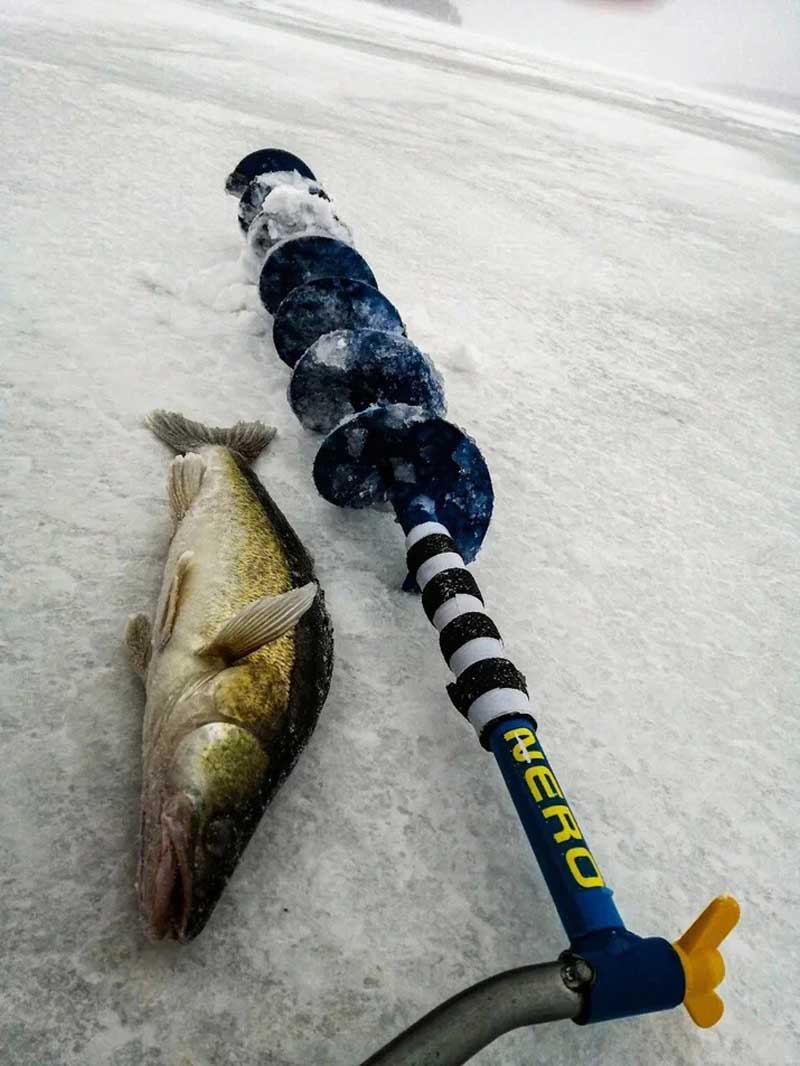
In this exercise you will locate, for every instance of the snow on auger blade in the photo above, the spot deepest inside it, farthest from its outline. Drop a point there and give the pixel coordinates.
(259, 189)
(349, 370)
(302, 259)
(402, 454)
(285, 215)
(325, 305)
(264, 161)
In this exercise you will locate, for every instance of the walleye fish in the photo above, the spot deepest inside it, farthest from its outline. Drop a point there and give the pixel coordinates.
(236, 667)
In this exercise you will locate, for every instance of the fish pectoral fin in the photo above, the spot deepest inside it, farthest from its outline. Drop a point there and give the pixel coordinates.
(170, 612)
(138, 640)
(184, 481)
(261, 622)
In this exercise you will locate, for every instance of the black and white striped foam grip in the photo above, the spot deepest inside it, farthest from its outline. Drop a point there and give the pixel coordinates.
(464, 628)
(433, 544)
(488, 687)
(444, 585)
(481, 677)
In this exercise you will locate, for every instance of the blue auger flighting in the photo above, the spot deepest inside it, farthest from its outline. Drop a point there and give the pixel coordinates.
(357, 377)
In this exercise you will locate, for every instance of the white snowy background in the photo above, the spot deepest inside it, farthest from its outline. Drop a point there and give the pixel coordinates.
(607, 274)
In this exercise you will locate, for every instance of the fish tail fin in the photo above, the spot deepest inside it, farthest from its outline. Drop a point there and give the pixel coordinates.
(247, 440)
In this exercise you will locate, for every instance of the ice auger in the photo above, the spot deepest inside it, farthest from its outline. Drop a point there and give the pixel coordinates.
(379, 400)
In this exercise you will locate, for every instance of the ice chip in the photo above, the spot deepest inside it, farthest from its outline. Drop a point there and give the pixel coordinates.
(404, 471)
(356, 439)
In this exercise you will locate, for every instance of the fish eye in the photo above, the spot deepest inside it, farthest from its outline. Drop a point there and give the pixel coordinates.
(220, 834)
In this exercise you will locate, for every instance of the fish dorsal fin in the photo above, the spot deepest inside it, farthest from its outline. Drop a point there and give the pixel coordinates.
(260, 623)
(184, 481)
(247, 440)
(173, 598)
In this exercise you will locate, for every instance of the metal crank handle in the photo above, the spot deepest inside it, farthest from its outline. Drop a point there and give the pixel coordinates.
(458, 1029)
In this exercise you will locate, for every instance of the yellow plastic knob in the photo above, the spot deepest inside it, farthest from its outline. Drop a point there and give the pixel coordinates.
(703, 968)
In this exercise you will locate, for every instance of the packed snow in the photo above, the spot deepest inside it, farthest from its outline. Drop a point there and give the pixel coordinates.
(606, 273)
(288, 213)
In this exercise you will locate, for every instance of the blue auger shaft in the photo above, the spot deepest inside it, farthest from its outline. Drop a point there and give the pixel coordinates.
(491, 693)
(632, 975)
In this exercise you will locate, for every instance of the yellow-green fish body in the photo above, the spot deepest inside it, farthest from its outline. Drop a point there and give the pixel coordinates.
(236, 667)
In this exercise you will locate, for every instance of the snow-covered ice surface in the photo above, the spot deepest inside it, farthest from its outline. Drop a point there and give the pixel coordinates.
(607, 275)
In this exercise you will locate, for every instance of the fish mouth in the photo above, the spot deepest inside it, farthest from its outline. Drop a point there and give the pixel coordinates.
(168, 903)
